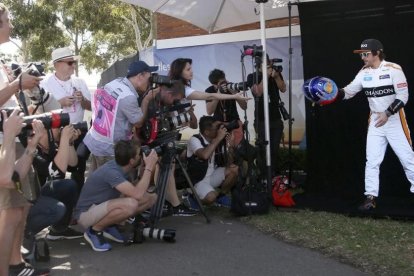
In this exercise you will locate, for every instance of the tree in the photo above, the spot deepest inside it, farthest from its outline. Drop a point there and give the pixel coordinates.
(99, 30)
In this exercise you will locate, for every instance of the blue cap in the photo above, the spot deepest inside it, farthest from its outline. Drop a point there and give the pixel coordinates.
(139, 66)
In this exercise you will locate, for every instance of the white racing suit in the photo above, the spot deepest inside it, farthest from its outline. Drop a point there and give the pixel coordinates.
(382, 86)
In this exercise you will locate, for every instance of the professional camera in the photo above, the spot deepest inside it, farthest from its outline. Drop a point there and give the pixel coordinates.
(163, 122)
(82, 126)
(230, 126)
(254, 50)
(273, 63)
(161, 80)
(240, 86)
(49, 119)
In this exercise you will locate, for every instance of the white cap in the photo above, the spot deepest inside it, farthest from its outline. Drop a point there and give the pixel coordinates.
(62, 53)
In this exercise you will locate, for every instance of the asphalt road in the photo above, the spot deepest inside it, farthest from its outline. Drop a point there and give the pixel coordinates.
(223, 247)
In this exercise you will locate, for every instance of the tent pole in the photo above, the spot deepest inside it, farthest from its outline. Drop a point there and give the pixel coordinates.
(265, 95)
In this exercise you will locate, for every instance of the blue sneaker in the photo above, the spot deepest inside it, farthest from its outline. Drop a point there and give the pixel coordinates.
(223, 201)
(113, 233)
(96, 240)
(193, 204)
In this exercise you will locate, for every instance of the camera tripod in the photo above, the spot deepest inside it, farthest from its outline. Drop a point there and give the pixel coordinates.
(168, 157)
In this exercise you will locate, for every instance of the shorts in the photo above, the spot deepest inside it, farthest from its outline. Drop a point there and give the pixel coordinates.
(11, 198)
(210, 182)
(94, 214)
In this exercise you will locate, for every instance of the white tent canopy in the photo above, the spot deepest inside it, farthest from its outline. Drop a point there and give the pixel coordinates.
(213, 15)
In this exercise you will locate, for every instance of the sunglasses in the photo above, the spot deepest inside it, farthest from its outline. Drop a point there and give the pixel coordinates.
(365, 54)
(70, 63)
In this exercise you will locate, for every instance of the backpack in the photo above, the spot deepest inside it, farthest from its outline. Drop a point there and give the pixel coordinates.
(196, 167)
(249, 196)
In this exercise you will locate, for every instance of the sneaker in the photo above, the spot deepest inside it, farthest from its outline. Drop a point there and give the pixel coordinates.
(96, 240)
(369, 204)
(167, 209)
(193, 204)
(67, 234)
(223, 201)
(27, 269)
(113, 233)
(183, 211)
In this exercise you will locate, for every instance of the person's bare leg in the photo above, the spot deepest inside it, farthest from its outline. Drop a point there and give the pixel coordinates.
(9, 222)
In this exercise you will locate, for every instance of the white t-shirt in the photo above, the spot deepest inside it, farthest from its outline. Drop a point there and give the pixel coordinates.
(12, 101)
(193, 145)
(188, 91)
(60, 89)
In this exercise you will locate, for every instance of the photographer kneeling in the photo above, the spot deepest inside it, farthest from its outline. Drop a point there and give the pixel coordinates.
(202, 165)
(54, 207)
(109, 198)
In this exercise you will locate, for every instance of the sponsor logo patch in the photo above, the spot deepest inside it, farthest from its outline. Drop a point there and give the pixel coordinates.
(402, 85)
(368, 78)
(383, 77)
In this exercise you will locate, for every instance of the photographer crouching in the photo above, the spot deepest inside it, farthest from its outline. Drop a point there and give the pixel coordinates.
(54, 207)
(207, 175)
(109, 197)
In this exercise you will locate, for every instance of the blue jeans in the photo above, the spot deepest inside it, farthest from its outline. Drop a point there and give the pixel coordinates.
(54, 206)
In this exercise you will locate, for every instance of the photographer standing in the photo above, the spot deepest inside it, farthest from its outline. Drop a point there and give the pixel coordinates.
(13, 206)
(225, 110)
(115, 110)
(73, 95)
(275, 84)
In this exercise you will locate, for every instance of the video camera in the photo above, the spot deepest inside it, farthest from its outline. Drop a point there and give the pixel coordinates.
(50, 119)
(254, 50)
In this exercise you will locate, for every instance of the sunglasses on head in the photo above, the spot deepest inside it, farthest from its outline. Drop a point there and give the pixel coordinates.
(365, 54)
(70, 63)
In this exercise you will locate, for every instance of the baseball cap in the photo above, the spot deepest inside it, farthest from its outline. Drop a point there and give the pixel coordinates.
(62, 53)
(370, 45)
(138, 67)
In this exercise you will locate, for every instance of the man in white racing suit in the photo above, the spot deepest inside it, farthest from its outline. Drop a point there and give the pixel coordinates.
(385, 85)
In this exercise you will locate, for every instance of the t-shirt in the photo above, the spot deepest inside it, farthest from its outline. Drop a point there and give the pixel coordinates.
(193, 145)
(128, 114)
(188, 91)
(100, 187)
(273, 93)
(227, 107)
(60, 89)
(12, 101)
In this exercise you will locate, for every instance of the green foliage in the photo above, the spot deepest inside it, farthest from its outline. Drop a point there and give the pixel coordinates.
(100, 31)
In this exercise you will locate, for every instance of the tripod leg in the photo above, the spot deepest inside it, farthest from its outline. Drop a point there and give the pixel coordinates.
(200, 205)
(162, 182)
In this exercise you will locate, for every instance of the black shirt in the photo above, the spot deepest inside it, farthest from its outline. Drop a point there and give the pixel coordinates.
(227, 107)
(273, 92)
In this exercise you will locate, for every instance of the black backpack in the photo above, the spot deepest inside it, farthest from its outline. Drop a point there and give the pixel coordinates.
(196, 167)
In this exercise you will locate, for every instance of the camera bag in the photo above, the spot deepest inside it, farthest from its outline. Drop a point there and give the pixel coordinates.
(197, 168)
